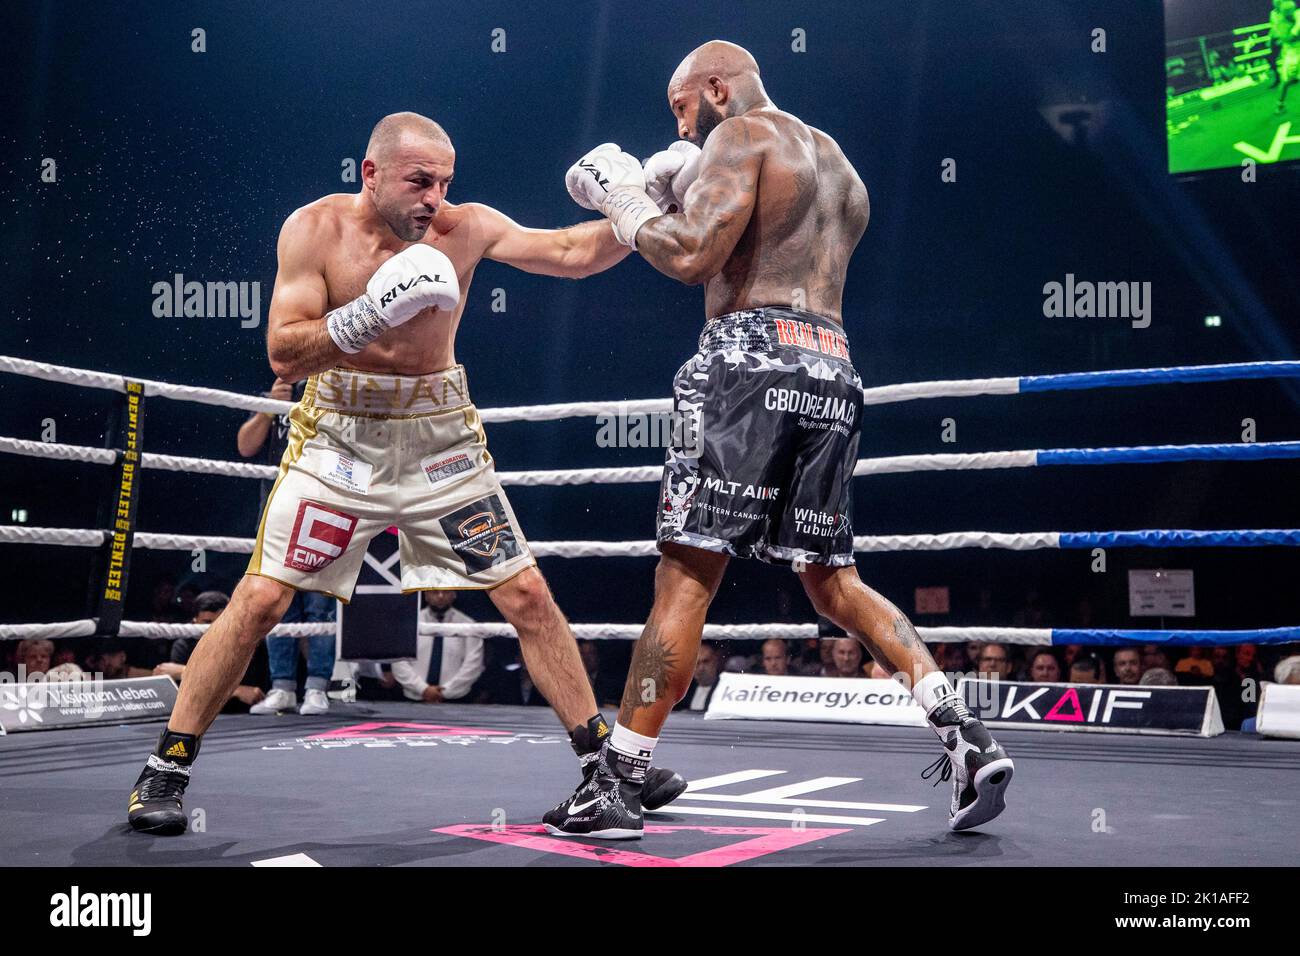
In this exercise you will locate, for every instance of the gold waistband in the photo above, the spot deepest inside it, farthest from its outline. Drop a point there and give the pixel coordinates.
(375, 395)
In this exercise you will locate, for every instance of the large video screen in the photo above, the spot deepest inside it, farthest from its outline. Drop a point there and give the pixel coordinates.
(1232, 82)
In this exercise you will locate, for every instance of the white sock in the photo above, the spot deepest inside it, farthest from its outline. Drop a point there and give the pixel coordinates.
(931, 689)
(631, 751)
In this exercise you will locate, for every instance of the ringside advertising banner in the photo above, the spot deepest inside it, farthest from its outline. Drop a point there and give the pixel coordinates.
(46, 705)
(1099, 708)
(1279, 710)
(839, 700)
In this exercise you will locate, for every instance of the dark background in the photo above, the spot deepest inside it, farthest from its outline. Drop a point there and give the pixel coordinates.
(173, 161)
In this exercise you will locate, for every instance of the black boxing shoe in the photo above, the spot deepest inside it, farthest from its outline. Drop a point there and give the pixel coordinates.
(661, 786)
(155, 805)
(978, 767)
(606, 806)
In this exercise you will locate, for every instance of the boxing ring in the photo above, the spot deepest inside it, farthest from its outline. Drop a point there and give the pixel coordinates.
(468, 786)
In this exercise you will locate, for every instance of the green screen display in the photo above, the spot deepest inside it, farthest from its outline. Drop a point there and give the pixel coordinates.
(1232, 82)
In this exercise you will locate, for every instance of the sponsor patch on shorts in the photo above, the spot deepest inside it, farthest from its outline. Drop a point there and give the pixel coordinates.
(481, 534)
(440, 468)
(319, 536)
(350, 474)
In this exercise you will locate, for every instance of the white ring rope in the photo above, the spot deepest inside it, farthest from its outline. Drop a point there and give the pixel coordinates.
(878, 395)
(117, 383)
(755, 632)
(864, 544)
(622, 632)
(637, 474)
(965, 388)
(86, 628)
(897, 464)
(49, 449)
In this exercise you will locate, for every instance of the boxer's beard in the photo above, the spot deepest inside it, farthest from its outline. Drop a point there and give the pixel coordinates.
(399, 219)
(707, 118)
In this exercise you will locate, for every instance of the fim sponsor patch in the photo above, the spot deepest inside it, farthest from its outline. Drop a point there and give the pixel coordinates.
(438, 470)
(481, 534)
(319, 536)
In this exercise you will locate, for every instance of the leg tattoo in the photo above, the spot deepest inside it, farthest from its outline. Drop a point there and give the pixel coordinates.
(652, 667)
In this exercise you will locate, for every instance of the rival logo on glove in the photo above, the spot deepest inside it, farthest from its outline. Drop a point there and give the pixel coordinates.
(595, 174)
(391, 294)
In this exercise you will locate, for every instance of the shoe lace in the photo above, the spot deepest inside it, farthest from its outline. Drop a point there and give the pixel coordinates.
(164, 786)
(942, 766)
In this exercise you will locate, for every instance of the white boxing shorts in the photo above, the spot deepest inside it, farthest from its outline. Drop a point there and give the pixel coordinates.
(367, 452)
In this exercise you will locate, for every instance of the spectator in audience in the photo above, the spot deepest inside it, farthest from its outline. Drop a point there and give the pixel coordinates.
(707, 667)
(1195, 668)
(1044, 668)
(1126, 665)
(266, 435)
(808, 660)
(878, 672)
(67, 671)
(1247, 660)
(209, 606)
(995, 662)
(444, 668)
(284, 653)
(35, 657)
(1158, 677)
(1153, 655)
(1287, 670)
(826, 657)
(162, 601)
(1238, 690)
(1069, 653)
(846, 658)
(512, 684)
(1086, 669)
(64, 654)
(186, 595)
(1238, 705)
(739, 663)
(973, 651)
(108, 660)
(776, 657)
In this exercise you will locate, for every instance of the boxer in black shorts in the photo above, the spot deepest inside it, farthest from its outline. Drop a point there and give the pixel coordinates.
(766, 215)
(766, 437)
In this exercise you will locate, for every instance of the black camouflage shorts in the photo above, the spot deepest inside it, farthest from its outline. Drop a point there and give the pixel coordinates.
(761, 466)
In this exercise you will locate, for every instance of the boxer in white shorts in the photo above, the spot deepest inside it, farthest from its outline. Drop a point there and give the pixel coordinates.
(368, 296)
(367, 452)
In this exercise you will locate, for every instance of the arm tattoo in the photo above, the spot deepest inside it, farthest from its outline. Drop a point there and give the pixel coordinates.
(721, 204)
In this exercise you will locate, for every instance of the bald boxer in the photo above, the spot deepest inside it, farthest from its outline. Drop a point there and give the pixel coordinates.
(770, 212)
(370, 291)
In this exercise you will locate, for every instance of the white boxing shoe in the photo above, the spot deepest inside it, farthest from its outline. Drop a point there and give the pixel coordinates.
(275, 702)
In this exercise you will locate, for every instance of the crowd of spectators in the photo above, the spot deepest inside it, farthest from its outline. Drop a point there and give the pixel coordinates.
(1235, 672)
(449, 669)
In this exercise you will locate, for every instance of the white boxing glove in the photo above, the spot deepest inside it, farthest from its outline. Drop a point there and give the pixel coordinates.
(669, 173)
(417, 278)
(613, 182)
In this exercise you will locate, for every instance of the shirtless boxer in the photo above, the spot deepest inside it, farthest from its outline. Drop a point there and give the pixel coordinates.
(772, 211)
(369, 293)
